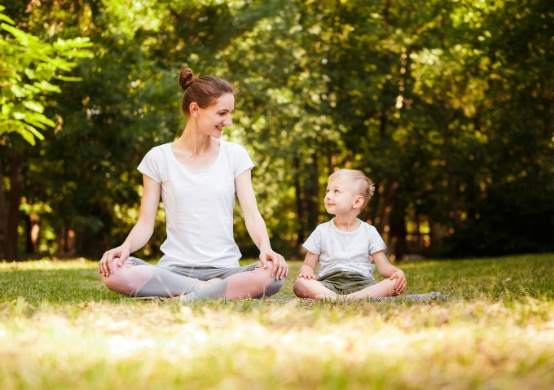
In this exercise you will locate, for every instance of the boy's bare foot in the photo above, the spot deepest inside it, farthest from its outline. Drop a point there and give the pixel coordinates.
(327, 298)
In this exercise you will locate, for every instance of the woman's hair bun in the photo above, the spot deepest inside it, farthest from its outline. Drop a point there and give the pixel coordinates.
(186, 78)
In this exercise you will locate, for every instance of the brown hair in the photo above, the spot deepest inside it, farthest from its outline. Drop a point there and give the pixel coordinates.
(361, 184)
(203, 90)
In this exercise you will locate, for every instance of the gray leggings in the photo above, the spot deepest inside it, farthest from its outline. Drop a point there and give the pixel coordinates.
(141, 279)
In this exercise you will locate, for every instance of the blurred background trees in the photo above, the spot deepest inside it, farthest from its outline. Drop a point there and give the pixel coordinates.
(447, 106)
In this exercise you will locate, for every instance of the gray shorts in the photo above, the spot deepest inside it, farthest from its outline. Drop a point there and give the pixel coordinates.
(344, 282)
(207, 273)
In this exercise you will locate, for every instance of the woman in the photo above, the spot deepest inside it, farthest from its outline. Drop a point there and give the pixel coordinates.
(197, 177)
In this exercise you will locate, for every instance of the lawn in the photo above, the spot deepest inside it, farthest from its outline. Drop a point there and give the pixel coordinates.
(61, 329)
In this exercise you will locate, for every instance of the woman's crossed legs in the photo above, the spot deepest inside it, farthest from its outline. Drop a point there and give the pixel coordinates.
(138, 278)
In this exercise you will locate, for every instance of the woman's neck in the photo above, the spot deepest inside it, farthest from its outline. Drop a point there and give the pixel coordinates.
(196, 152)
(193, 143)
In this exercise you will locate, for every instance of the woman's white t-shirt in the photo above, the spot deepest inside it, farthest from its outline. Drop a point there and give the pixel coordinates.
(198, 205)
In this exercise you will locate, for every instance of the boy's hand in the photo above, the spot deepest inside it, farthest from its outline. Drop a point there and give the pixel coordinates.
(400, 282)
(306, 273)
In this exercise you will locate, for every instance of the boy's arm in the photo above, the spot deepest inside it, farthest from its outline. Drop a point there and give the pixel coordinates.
(307, 271)
(388, 270)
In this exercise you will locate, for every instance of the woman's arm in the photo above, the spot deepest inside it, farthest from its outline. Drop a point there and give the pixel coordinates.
(256, 226)
(141, 232)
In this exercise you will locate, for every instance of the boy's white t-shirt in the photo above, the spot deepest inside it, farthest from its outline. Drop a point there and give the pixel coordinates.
(339, 250)
(198, 205)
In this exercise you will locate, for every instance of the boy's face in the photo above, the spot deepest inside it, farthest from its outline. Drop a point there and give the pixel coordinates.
(340, 197)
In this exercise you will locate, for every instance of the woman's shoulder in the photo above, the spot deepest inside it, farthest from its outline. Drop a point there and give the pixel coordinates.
(162, 147)
(231, 146)
(237, 153)
(158, 150)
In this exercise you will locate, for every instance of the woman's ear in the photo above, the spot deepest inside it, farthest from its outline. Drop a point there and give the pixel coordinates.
(193, 108)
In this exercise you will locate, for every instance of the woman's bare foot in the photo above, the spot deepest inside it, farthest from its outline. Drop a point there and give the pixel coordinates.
(203, 283)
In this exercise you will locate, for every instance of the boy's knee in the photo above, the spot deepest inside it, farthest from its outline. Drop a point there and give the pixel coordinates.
(299, 288)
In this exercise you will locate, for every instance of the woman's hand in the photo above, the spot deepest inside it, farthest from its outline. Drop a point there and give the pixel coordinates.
(121, 253)
(280, 266)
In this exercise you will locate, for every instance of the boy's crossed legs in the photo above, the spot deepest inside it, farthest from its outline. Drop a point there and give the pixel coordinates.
(316, 289)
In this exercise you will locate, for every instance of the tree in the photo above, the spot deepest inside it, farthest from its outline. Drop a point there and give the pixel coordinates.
(30, 68)
(447, 106)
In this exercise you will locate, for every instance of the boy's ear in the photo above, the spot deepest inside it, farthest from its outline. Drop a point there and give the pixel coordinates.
(358, 202)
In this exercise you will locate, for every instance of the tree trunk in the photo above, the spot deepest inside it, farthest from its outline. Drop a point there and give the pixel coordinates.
(312, 194)
(300, 235)
(32, 234)
(16, 161)
(397, 232)
(3, 215)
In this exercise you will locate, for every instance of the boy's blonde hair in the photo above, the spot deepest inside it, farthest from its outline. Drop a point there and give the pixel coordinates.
(361, 184)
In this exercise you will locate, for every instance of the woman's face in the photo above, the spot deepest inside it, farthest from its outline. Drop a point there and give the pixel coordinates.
(214, 118)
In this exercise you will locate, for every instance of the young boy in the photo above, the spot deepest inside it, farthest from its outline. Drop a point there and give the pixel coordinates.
(345, 247)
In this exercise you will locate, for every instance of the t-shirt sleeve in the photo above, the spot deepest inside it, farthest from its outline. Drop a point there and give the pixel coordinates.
(313, 243)
(376, 242)
(242, 161)
(150, 165)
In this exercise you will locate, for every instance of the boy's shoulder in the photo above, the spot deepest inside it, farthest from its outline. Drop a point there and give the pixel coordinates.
(368, 228)
(366, 225)
(325, 225)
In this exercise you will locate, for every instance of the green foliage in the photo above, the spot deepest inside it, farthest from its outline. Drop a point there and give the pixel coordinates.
(445, 105)
(29, 67)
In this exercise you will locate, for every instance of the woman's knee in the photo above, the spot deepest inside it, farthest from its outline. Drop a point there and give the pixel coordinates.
(274, 286)
(271, 285)
(128, 278)
(116, 284)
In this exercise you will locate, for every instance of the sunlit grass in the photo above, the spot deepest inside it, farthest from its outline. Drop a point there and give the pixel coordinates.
(61, 329)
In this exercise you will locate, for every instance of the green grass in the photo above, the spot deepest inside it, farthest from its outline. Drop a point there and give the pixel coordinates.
(61, 329)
